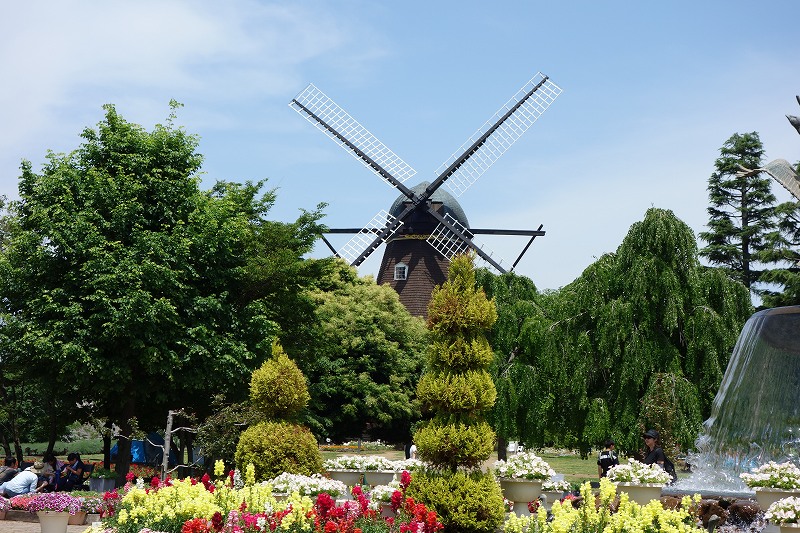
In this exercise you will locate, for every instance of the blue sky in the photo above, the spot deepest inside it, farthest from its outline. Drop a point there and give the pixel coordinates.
(651, 92)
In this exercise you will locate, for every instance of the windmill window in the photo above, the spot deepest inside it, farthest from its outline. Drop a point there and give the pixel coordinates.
(400, 271)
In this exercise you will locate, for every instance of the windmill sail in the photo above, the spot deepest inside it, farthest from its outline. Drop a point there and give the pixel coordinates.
(337, 124)
(497, 135)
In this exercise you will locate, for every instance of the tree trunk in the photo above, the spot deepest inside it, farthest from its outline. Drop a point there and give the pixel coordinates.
(107, 446)
(124, 441)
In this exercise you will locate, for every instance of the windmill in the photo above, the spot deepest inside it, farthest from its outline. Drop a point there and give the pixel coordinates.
(426, 227)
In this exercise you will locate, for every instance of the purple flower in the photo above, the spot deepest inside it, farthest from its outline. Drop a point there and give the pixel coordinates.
(57, 502)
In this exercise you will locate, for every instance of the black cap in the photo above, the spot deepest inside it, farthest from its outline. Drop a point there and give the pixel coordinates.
(651, 433)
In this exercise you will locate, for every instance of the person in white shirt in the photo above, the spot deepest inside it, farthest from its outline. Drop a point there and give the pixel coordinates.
(23, 483)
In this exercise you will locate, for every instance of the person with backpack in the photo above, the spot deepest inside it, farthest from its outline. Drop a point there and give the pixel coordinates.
(607, 458)
(654, 454)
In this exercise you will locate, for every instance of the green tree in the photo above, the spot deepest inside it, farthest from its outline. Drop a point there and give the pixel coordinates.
(457, 390)
(363, 358)
(594, 359)
(784, 250)
(741, 211)
(142, 291)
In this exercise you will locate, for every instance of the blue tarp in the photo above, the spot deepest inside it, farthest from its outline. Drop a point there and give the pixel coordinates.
(143, 452)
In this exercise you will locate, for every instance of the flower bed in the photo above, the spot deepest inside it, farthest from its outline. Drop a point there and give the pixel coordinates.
(525, 465)
(57, 502)
(785, 511)
(306, 485)
(360, 463)
(556, 486)
(773, 475)
(5, 504)
(637, 472)
(595, 514)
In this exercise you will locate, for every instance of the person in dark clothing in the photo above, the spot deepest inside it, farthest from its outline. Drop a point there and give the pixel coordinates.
(653, 452)
(607, 458)
(8, 470)
(73, 472)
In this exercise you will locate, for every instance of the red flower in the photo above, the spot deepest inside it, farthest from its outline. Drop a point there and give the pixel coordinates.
(217, 522)
(405, 479)
(331, 527)
(155, 482)
(130, 476)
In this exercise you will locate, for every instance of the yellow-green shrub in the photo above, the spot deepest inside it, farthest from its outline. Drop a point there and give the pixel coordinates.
(455, 445)
(459, 393)
(461, 353)
(278, 389)
(277, 447)
(464, 502)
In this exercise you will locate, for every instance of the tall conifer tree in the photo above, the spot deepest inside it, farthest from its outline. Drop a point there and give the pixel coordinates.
(741, 211)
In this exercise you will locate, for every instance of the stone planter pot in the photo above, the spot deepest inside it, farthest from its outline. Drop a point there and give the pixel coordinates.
(641, 493)
(77, 519)
(521, 491)
(51, 522)
(386, 510)
(551, 497)
(2, 515)
(101, 484)
(766, 496)
(378, 477)
(91, 518)
(790, 528)
(350, 478)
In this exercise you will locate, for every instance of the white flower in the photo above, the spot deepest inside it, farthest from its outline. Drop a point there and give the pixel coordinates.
(526, 465)
(359, 463)
(637, 472)
(784, 511)
(773, 475)
(383, 493)
(556, 486)
(306, 485)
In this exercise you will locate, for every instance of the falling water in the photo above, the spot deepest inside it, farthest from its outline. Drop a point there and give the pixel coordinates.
(755, 416)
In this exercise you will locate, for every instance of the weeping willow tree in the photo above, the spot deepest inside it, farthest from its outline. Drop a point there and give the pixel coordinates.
(593, 359)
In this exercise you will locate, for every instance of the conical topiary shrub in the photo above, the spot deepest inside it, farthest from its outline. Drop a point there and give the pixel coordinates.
(457, 390)
(278, 391)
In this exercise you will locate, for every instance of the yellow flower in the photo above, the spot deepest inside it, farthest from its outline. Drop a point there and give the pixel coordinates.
(219, 468)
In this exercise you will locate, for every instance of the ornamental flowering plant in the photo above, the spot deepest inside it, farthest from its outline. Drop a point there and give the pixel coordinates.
(637, 472)
(54, 502)
(383, 493)
(557, 486)
(525, 465)
(773, 475)
(306, 485)
(785, 511)
(5, 504)
(359, 463)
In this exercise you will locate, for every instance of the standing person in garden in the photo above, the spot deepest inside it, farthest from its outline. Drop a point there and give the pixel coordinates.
(607, 458)
(653, 452)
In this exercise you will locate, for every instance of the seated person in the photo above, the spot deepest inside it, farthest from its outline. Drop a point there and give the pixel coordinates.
(74, 472)
(25, 482)
(52, 473)
(9, 469)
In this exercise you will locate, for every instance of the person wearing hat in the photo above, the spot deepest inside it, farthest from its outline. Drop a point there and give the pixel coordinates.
(653, 452)
(25, 482)
(607, 458)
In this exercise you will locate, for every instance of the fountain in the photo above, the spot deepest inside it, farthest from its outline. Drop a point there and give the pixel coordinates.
(755, 416)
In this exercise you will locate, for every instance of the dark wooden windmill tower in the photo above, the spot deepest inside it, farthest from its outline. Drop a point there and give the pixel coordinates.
(426, 227)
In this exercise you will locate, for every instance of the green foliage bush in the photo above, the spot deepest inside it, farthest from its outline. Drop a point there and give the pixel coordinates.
(278, 389)
(455, 445)
(277, 447)
(467, 392)
(460, 354)
(219, 434)
(465, 502)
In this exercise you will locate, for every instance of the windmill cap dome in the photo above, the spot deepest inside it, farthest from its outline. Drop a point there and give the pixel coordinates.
(449, 204)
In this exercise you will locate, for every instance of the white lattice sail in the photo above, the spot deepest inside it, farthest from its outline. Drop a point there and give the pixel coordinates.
(504, 136)
(449, 244)
(364, 238)
(337, 124)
